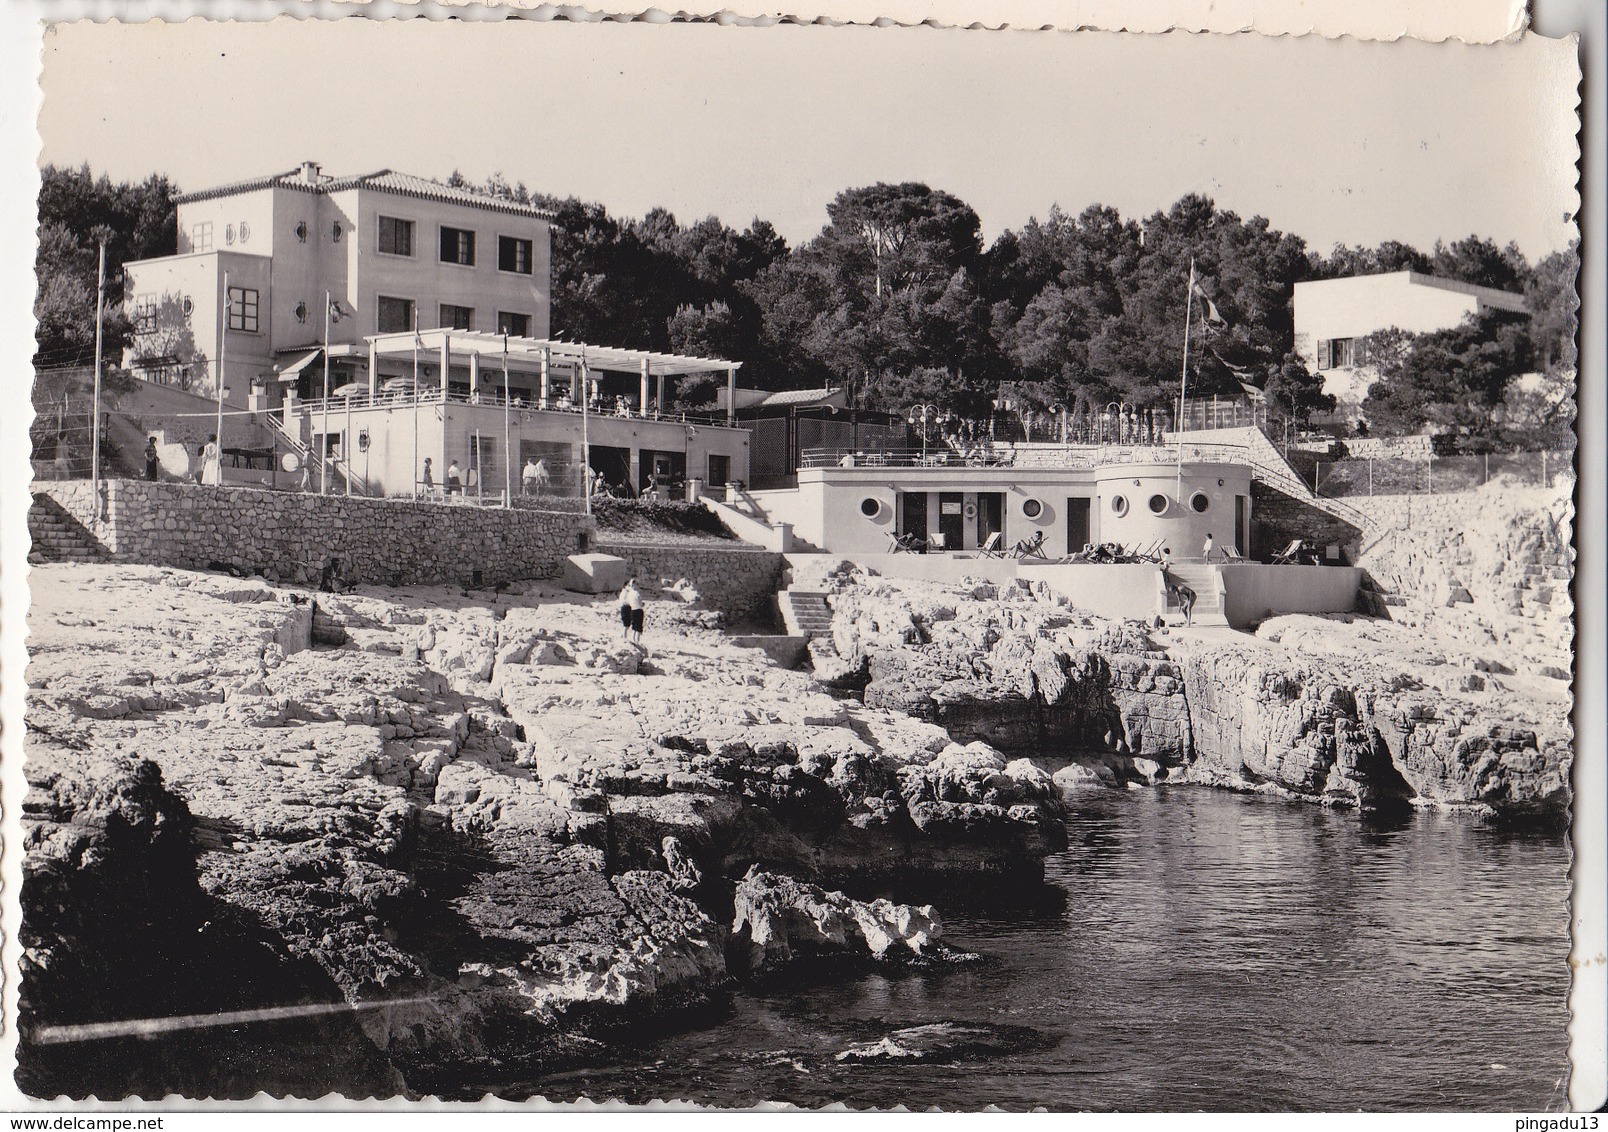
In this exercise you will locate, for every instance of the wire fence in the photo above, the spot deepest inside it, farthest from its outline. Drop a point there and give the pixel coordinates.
(1439, 475)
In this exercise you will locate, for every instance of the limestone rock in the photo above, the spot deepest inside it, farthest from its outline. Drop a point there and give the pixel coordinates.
(778, 919)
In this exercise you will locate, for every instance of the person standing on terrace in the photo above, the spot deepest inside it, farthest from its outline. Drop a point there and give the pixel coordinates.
(211, 462)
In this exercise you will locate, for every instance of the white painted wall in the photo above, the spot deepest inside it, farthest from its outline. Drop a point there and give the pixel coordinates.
(829, 507)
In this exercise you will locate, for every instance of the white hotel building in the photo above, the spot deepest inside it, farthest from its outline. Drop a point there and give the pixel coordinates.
(447, 284)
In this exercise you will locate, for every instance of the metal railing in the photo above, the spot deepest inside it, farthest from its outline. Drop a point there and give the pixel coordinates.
(1029, 455)
(433, 396)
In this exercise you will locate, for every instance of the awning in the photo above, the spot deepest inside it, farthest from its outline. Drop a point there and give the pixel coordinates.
(293, 371)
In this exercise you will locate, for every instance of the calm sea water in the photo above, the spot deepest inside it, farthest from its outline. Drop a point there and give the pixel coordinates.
(1214, 951)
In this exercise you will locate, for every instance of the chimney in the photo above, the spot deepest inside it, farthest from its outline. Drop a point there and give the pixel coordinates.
(309, 172)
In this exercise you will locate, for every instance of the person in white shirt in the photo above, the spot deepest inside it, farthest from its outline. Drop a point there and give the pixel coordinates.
(631, 612)
(1209, 549)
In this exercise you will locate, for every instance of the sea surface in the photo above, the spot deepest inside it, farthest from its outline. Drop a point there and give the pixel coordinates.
(1201, 950)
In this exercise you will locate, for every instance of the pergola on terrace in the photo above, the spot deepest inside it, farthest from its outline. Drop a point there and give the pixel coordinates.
(494, 354)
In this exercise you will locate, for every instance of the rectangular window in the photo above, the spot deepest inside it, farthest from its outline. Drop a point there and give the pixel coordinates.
(396, 236)
(457, 318)
(1337, 353)
(516, 324)
(201, 237)
(395, 314)
(513, 254)
(243, 307)
(144, 314)
(457, 246)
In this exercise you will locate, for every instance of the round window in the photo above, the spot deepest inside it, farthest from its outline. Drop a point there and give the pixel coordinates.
(869, 507)
(1032, 509)
(1158, 504)
(1119, 504)
(1200, 502)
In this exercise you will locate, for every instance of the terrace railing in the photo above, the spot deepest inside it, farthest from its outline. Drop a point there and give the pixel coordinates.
(1028, 456)
(434, 396)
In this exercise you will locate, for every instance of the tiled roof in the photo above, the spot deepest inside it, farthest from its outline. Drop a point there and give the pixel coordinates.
(384, 181)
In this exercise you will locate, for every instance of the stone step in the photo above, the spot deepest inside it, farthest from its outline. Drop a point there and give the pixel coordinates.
(805, 613)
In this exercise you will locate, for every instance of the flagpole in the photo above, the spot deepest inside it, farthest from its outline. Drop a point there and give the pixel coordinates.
(223, 346)
(1183, 380)
(323, 455)
(94, 414)
(508, 456)
(586, 439)
(415, 403)
(346, 442)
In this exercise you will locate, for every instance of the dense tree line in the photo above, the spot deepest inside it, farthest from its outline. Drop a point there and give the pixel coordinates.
(898, 299)
(76, 209)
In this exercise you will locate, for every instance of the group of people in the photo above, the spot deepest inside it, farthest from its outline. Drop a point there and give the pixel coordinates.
(452, 486)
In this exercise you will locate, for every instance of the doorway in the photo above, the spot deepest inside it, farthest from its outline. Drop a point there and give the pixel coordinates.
(1077, 525)
(952, 519)
(913, 516)
(990, 517)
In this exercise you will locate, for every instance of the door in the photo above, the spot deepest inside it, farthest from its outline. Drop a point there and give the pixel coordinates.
(990, 518)
(952, 519)
(1242, 524)
(913, 514)
(1077, 525)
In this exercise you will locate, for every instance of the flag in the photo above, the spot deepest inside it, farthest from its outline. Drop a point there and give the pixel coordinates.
(1212, 314)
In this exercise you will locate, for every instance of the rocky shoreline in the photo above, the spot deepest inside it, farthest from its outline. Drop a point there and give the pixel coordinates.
(474, 835)
(480, 820)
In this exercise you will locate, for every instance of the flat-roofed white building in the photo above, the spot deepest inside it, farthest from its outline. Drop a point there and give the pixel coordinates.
(1333, 315)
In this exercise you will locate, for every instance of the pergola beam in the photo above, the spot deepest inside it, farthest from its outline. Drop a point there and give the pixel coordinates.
(531, 351)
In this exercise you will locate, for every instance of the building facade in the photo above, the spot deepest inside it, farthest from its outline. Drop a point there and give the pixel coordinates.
(392, 250)
(1072, 497)
(374, 322)
(1332, 316)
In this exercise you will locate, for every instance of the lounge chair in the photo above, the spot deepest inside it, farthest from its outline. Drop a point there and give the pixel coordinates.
(1231, 554)
(1290, 555)
(1031, 548)
(906, 543)
(936, 543)
(990, 549)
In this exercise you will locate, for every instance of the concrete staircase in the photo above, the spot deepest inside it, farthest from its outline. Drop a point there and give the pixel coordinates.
(805, 613)
(1201, 577)
(56, 536)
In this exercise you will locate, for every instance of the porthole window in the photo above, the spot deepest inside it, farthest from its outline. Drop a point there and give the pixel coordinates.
(1032, 508)
(228, 233)
(1119, 504)
(869, 507)
(1200, 502)
(1158, 504)
(336, 232)
(301, 231)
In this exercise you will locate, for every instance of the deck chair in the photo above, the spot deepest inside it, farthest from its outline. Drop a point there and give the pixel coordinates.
(1289, 556)
(990, 549)
(1031, 548)
(906, 543)
(1231, 553)
(936, 543)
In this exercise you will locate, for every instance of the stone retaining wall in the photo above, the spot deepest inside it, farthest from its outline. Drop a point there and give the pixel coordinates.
(384, 541)
(740, 581)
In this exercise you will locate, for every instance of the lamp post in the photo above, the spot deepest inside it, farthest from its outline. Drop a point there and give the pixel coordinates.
(923, 408)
